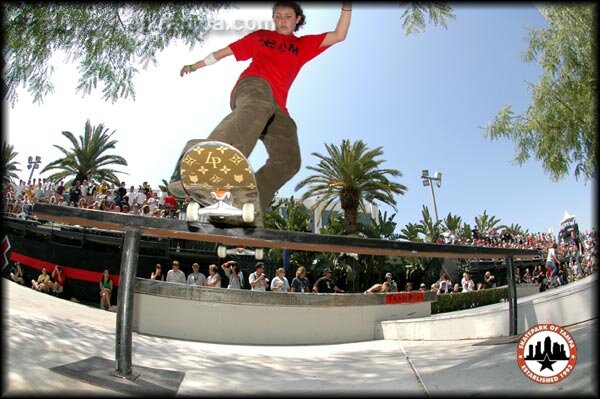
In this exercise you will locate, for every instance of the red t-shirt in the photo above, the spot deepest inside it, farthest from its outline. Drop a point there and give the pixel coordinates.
(276, 58)
(60, 280)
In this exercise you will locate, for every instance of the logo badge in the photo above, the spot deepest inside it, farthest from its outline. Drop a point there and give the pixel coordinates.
(546, 353)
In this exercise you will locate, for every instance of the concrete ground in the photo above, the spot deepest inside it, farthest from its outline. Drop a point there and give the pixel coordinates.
(42, 332)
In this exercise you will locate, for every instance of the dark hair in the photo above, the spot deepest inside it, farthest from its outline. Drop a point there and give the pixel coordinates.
(297, 9)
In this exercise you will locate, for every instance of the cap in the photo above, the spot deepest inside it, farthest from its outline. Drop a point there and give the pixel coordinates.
(195, 265)
(422, 285)
(327, 270)
(388, 274)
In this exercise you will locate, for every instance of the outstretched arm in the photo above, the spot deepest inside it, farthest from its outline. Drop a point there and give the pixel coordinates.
(341, 30)
(211, 58)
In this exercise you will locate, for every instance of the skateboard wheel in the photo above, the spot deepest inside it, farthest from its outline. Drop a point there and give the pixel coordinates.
(221, 251)
(191, 212)
(248, 212)
(259, 254)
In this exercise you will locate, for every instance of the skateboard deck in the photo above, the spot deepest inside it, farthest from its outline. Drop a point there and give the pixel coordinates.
(221, 182)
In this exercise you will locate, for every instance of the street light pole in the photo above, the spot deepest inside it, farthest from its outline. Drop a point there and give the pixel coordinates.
(33, 165)
(434, 204)
(428, 181)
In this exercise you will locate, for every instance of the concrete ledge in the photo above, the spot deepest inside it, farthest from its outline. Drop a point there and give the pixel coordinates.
(564, 305)
(527, 289)
(265, 318)
(221, 295)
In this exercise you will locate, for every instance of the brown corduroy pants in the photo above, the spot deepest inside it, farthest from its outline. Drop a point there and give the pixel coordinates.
(256, 116)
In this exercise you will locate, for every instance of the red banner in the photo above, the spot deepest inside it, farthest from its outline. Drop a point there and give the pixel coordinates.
(70, 272)
(404, 297)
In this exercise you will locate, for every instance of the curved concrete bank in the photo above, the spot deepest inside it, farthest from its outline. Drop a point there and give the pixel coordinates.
(569, 304)
(267, 318)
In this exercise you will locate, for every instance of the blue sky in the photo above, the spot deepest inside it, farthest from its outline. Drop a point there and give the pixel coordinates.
(423, 98)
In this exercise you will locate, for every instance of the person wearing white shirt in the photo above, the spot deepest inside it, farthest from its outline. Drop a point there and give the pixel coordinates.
(552, 262)
(467, 283)
(280, 282)
(131, 197)
(196, 277)
(140, 197)
(175, 275)
(235, 276)
(258, 280)
(161, 198)
(214, 279)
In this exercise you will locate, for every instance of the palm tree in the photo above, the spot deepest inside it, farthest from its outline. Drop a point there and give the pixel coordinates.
(452, 223)
(485, 222)
(411, 232)
(515, 229)
(465, 231)
(350, 175)
(383, 227)
(413, 19)
(288, 214)
(430, 228)
(9, 165)
(87, 159)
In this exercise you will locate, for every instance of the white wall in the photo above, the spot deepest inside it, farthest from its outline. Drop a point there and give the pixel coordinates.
(564, 305)
(263, 324)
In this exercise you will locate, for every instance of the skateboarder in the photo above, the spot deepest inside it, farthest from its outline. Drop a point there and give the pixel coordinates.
(258, 100)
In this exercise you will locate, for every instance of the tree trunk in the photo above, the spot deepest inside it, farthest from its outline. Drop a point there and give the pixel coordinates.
(351, 221)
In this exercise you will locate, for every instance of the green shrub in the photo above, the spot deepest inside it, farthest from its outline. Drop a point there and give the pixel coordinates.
(468, 300)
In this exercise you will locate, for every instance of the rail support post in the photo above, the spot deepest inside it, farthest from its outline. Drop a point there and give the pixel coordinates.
(123, 344)
(512, 296)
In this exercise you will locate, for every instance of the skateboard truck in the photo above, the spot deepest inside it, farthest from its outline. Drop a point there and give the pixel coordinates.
(222, 208)
(223, 251)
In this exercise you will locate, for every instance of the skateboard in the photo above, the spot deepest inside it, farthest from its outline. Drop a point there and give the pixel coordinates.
(222, 185)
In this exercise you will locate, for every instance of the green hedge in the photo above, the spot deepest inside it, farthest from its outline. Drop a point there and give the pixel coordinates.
(468, 300)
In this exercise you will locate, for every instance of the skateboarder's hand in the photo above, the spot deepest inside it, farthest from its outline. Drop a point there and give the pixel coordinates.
(186, 69)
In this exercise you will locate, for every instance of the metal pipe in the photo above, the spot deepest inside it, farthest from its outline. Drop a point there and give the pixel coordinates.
(129, 262)
(434, 204)
(512, 297)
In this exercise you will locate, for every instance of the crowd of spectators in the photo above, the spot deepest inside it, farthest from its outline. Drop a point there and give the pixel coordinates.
(576, 257)
(499, 239)
(89, 194)
(257, 281)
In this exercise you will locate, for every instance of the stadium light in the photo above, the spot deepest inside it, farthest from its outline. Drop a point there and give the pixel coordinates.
(427, 181)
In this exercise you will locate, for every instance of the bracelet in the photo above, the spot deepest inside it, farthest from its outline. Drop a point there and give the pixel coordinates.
(345, 9)
(191, 66)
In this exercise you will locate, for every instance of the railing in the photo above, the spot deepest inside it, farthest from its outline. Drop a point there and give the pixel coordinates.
(134, 226)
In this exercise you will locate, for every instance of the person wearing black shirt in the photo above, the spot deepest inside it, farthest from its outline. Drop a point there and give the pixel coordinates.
(325, 284)
(75, 193)
(578, 246)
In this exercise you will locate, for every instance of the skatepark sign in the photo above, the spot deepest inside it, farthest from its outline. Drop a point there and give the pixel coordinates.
(546, 353)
